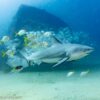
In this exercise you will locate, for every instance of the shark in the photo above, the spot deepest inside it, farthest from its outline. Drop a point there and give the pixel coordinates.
(58, 53)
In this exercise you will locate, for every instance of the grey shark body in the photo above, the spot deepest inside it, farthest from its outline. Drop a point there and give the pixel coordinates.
(58, 53)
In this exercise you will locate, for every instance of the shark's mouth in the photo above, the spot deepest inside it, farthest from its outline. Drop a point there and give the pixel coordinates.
(90, 51)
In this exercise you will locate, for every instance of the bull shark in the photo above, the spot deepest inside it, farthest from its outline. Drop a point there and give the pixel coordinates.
(58, 53)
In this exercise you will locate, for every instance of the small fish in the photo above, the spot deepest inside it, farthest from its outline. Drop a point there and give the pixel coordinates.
(84, 73)
(10, 53)
(26, 41)
(31, 36)
(5, 39)
(21, 32)
(69, 74)
(45, 44)
(47, 34)
(3, 53)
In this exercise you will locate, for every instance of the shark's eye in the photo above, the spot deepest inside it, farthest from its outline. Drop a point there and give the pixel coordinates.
(88, 49)
(85, 50)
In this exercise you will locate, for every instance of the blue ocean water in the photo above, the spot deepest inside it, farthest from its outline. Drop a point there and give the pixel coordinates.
(80, 15)
(74, 80)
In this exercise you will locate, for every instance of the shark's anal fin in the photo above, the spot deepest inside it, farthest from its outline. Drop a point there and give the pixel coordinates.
(59, 62)
(38, 62)
(31, 63)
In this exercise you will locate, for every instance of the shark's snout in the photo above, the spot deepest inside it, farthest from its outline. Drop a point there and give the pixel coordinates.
(88, 50)
(80, 51)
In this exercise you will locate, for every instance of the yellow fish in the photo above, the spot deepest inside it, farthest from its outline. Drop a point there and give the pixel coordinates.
(26, 41)
(12, 53)
(3, 53)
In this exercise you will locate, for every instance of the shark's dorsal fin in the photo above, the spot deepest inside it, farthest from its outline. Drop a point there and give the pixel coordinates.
(56, 40)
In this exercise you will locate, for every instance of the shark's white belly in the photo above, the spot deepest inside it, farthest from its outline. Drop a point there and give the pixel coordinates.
(51, 60)
(76, 56)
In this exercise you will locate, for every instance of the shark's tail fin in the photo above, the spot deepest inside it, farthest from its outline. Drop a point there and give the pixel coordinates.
(24, 54)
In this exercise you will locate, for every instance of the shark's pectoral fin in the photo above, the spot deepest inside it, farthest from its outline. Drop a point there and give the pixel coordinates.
(59, 62)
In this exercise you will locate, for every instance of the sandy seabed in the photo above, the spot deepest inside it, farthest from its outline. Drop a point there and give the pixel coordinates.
(49, 86)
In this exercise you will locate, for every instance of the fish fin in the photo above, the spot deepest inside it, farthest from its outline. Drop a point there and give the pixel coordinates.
(56, 40)
(24, 54)
(59, 62)
(38, 62)
(31, 63)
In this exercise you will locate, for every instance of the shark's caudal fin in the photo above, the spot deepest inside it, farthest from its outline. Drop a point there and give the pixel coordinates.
(24, 54)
